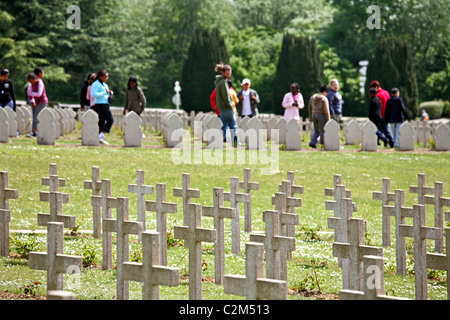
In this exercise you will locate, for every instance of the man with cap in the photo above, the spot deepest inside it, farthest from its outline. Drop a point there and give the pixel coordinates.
(248, 100)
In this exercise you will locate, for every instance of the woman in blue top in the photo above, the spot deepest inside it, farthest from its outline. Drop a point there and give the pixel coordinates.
(101, 94)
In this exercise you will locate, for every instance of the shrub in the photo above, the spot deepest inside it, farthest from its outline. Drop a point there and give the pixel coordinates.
(433, 108)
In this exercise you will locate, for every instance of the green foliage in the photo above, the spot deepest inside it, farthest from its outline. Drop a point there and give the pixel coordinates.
(197, 80)
(31, 289)
(23, 244)
(299, 62)
(393, 66)
(433, 108)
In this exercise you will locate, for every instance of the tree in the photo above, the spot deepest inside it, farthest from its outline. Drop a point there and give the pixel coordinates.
(393, 66)
(299, 62)
(197, 79)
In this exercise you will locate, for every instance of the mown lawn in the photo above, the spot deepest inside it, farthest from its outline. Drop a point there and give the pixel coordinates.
(312, 268)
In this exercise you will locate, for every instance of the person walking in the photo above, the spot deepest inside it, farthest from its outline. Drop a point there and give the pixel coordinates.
(319, 114)
(134, 97)
(375, 114)
(7, 95)
(292, 103)
(384, 96)
(248, 100)
(395, 114)
(225, 103)
(89, 97)
(37, 95)
(335, 100)
(85, 103)
(101, 94)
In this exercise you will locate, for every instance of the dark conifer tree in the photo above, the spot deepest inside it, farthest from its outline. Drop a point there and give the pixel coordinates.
(207, 48)
(299, 62)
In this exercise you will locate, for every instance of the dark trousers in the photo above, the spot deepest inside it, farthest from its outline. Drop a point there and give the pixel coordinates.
(105, 117)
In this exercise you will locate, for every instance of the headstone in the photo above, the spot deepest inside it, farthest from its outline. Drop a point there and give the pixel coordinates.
(255, 134)
(96, 185)
(90, 129)
(133, 130)
(439, 202)
(141, 190)
(105, 202)
(400, 212)
(369, 139)
(5, 218)
(213, 134)
(150, 272)
(173, 123)
(271, 124)
(406, 137)
(420, 233)
(373, 267)
(5, 192)
(4, 126)
(331, 136)
(161, 207)
(274, 244)
(280, 128)
(235, 198)
(386, 196)
(219, 213)
(438, 261)
(54, 261)
(194, 235)
(253, 285)
(352, 133)
(21, 120)
(55, 122)
(421, 189)
(123, 228)
(12, 122)
(293, 135)
(46, 127)
(247, 185)
(442, 137)
(186, 193)
(354, 251)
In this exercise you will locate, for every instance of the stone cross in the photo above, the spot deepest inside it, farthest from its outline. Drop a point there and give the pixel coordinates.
(5, 193)
(274, 244)
(253, 285)
(291, 202)
(105, 202)
(399, 211)
(373, 267)
(161, 207)
(219, 213)
(123, 228)
(439, 202)
(56, 200)
(96, 186)
(194, 235)
(186, 193)
(54, 184)
(421, 189)
(354, 251)
(337, 180)
(54, 261)
(281, 202)
(141, 190)
(386, 196)
(5, 218)
(420, 233)
(150, 272)
(439, 261)
(248, 186)
(235, 198)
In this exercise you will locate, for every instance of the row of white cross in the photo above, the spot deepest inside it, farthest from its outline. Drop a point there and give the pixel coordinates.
(354, 257)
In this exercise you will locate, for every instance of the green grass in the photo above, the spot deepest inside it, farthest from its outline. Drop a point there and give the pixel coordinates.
(361, 172)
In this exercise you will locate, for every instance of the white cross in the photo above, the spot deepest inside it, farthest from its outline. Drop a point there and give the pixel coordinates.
(248, 186)
(186, 193)
(5, 192)
(386, 196)
(96, 185)
(439, 261)
(5, 218)
(54, 184)
(421, 189)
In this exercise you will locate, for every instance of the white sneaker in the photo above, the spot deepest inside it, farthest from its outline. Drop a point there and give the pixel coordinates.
(102, 140)
(143, 136)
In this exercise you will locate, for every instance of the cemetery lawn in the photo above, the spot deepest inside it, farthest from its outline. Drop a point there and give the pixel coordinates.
(312, 273)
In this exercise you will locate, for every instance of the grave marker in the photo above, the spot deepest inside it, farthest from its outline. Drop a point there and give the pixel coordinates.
(122, 227)
(161, 207)
(421, 189)
(369, 139)
(194, 235)
(406, 137)
(186, 193)
(96, 185)
(253, 285)
(6, 193)
(54, 261)
(248, 186)
(4, 126)
(219, 213)
(90, 129)
(56, 201)
(386, 197)
(54, 183)
(5, 218)
(440, 261)
(274, 245)
(420, 233)
(150, 272)
(331, 136)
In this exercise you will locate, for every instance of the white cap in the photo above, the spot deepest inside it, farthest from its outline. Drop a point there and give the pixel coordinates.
(245, 81)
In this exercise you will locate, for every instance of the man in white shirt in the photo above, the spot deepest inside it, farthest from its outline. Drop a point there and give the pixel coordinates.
(248, 100)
